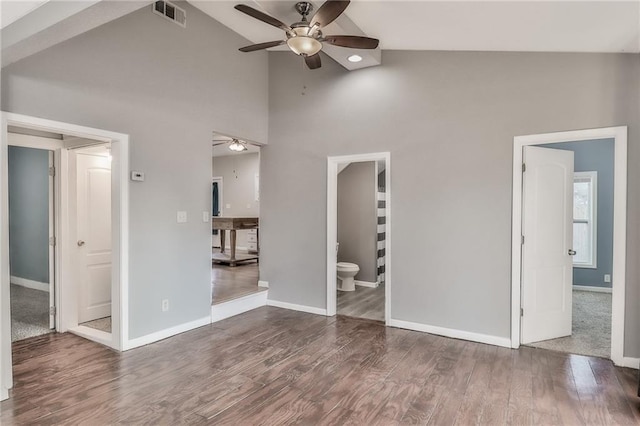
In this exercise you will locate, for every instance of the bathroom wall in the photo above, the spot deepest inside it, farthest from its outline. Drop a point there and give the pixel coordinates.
(29, 213)
(357, 218)
(596, 155)
(238, 190)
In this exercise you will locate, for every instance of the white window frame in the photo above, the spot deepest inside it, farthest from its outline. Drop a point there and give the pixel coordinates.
(593, 228)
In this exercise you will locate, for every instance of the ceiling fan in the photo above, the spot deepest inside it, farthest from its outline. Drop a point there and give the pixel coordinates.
(235, 144)
(305, 37)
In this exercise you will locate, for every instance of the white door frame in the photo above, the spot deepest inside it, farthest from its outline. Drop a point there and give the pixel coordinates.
(120, 234)
(332, 226)
(618, 282)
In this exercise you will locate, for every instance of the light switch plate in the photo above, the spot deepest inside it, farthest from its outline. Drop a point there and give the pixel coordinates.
(205, 217)
(182, 217)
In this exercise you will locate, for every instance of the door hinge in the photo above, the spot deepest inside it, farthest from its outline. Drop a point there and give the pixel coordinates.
(524, 167)
(52, 241)
(522, 239)
(52, 310)
(52, 171)
(521, 312)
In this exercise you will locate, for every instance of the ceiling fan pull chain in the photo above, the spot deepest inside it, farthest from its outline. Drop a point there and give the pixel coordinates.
(303, 76)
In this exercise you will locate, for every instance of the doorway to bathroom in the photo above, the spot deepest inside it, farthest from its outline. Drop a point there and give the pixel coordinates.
(358, 236)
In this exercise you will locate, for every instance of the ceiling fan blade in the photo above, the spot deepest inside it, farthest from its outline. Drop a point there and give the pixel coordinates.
(328, 12)
(260, 46)
(355, 42)
(313, 61)
(262, 17)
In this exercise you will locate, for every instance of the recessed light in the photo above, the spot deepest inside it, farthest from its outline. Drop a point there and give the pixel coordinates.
(354, 58)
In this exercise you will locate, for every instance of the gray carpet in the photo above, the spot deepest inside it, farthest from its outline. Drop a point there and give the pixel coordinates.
(591, 327)
(29, 312)
(102, 324)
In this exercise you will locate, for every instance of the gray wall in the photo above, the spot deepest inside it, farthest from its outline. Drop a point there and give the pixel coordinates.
(357, 218)
(29, 213)
(238, 188)
(168, 87)
(448, 119)
(596, 155)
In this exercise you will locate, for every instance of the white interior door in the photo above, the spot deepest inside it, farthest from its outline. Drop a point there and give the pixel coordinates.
(94, 236)
(547, 223)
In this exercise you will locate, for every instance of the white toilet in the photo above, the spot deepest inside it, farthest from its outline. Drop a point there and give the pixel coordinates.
(346, 272)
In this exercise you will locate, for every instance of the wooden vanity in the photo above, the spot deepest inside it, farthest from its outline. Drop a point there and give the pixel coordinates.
(232, 224)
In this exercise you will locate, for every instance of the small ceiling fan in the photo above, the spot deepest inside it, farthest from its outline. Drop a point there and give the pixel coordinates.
(305, 37)
(235, 144)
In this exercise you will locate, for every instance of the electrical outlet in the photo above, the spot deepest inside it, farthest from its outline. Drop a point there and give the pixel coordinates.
(165, 305)
(607, 278)
(182, 217)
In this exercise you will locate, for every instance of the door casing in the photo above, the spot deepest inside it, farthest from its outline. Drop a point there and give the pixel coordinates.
(619, 134)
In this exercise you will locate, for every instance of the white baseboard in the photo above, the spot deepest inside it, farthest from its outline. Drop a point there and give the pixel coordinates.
(35, 285)
(264, 284)
(238, 306)
(630, 362)
(365, 284)
(295, 307)
(163, 334)
(592, 288)
(448, 332)
(94, 335)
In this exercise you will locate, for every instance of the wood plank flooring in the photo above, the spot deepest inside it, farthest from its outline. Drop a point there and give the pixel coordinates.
(228, 283)
(365, 302)
(273, 366)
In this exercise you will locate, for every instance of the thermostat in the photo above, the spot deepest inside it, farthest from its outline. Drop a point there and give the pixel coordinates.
(137, 176)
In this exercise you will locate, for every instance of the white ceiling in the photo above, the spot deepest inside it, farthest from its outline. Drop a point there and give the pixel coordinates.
(528, 26)
(12, 10)
(474, 25)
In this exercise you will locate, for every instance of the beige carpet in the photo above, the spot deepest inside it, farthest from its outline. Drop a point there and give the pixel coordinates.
(591, 334)
(102, 324)
(29, 312)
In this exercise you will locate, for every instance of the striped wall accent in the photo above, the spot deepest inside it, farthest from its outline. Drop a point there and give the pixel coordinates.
(382, 220)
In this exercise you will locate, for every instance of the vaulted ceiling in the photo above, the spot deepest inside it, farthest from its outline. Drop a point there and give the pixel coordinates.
(525, 26)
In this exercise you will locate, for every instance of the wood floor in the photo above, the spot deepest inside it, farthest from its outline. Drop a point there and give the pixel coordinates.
(273, 366)
(365, 302)
(228, 283)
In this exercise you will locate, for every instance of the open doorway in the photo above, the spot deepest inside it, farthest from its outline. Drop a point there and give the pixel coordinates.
(31, 235)
(235, 226)
(358, 236)
(569, 261)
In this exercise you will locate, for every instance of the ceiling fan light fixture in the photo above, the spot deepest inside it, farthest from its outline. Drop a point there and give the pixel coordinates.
(354, 58)
(303, 45)
(237, 146)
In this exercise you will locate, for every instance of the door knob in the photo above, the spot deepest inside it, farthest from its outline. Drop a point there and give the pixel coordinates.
(572, 252)
(80, 243)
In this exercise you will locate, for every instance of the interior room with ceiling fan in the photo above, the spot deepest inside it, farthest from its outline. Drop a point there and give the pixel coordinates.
(444, 89)
(235, 207)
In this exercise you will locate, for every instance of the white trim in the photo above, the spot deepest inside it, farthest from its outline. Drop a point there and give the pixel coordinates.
(296, 307)
(92, 334)
(35, 285)
(591, 288)
(166, 333)
(449, 332)
(38, 142)
(592, 176)
(120, 227)
(264, 284)
(630, 362)
(332, 226)
(238, 306)
(366, 284)
(619, 134)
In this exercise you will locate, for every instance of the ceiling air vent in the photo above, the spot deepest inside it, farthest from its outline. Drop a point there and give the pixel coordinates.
(171, 12)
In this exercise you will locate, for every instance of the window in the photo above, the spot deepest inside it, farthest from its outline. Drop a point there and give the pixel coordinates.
(585, 190)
